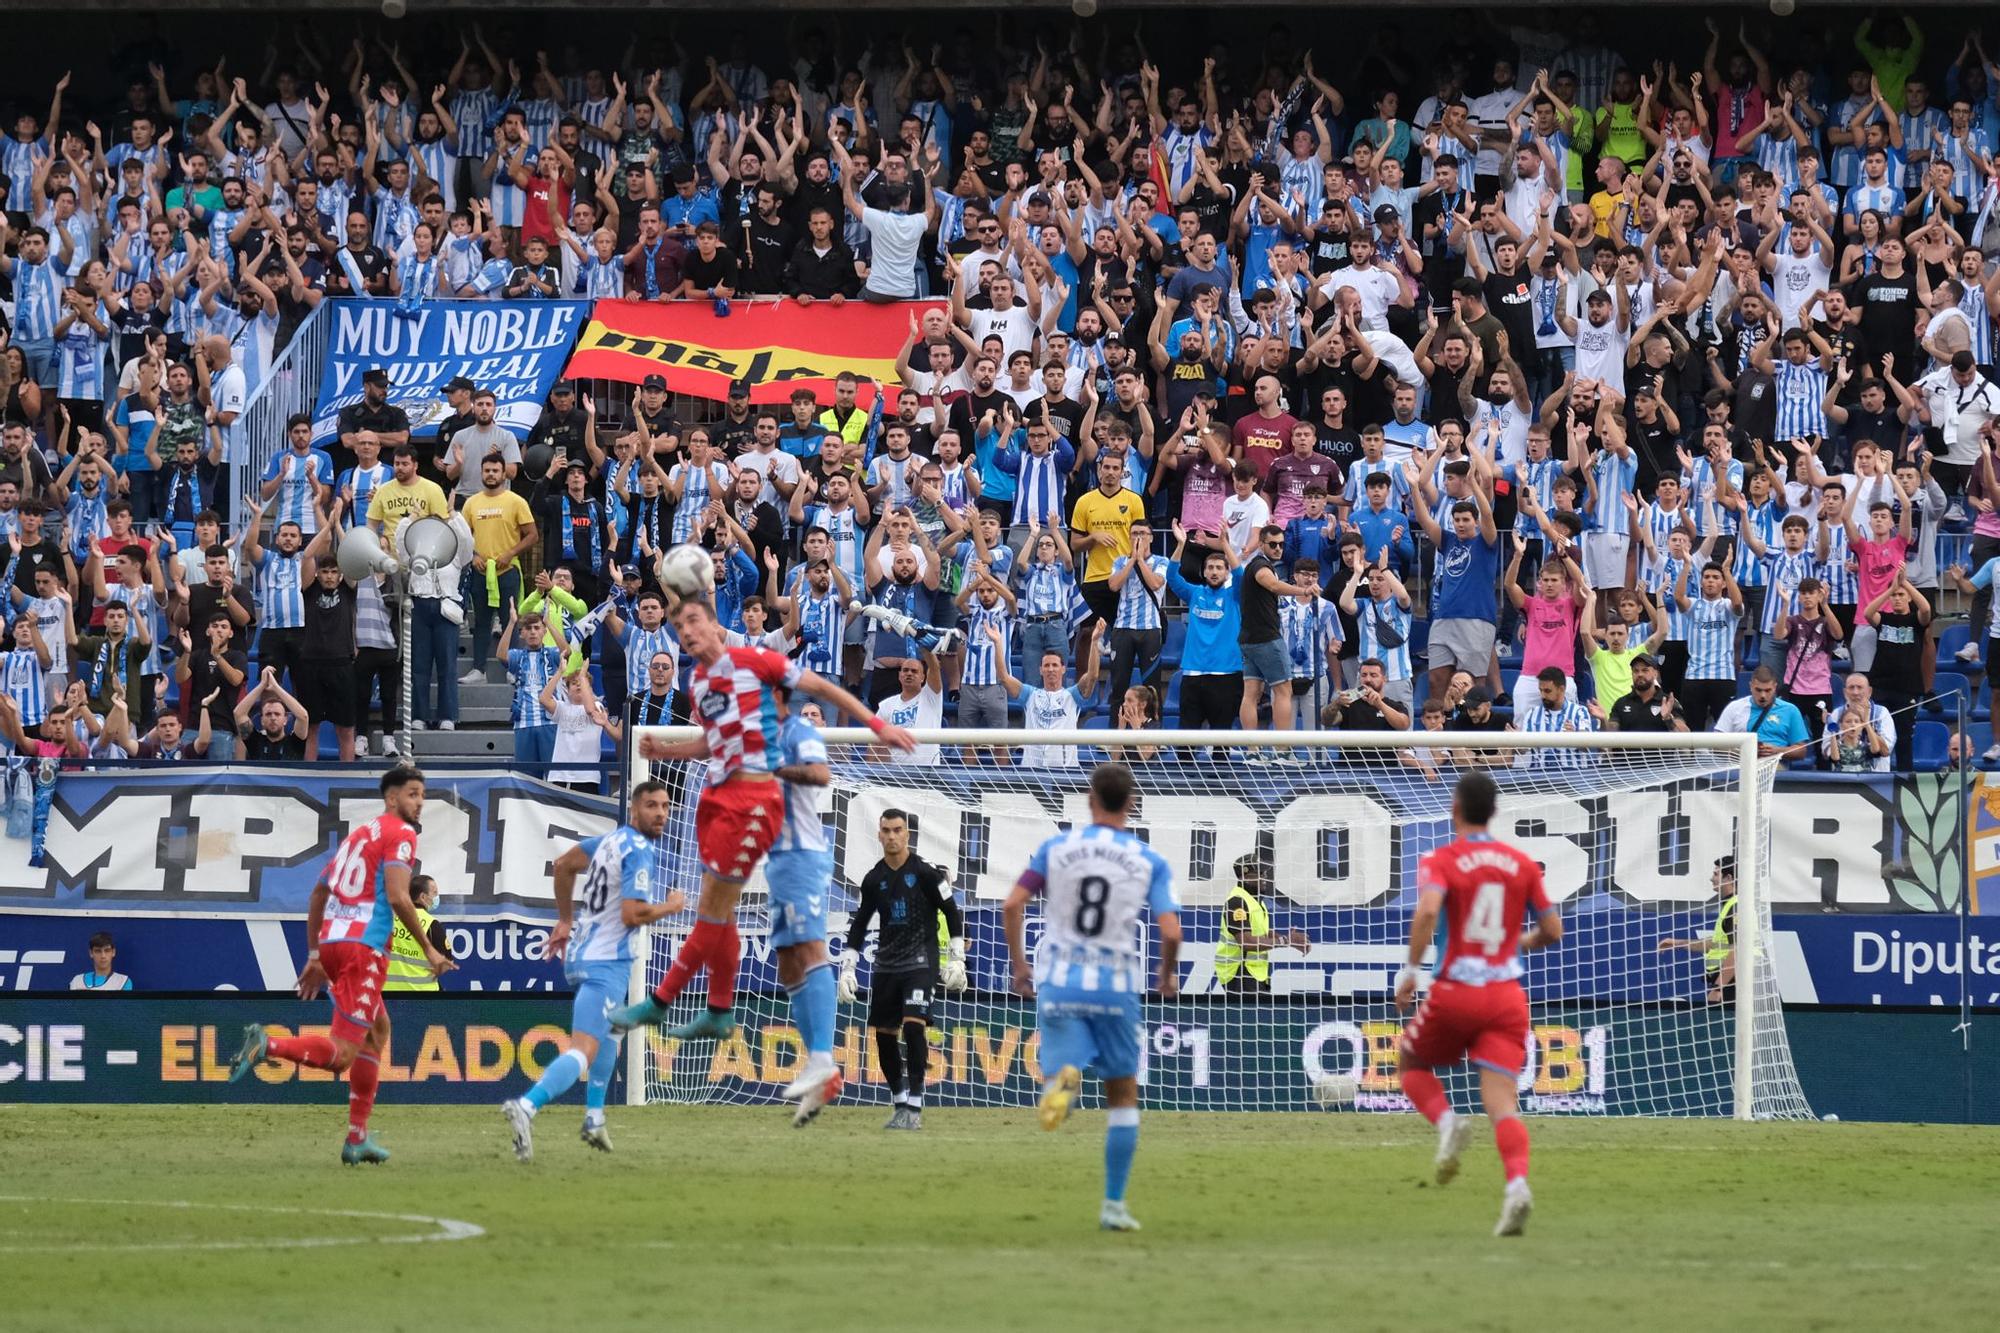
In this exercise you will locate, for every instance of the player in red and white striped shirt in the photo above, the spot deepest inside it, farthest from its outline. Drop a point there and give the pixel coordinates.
(1476, 1009)
(733, 695)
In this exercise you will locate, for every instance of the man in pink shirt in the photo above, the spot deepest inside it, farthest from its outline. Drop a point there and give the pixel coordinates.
(1878, 556)
(1551, 614)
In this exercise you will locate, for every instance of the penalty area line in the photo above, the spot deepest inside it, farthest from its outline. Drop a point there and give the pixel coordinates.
(443, 1228)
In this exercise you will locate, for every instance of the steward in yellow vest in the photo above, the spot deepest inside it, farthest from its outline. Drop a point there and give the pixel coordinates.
(1718, 947)
(407, 969)
(1243, 954)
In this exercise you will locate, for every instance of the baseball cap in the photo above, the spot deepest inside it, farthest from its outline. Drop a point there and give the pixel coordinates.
(459, 383)
(1476, 696)
(739, 388)
(1647, 658)
(377, 375)
(562, 386)
(1597, 296)
(1387, 214)
(653, 382)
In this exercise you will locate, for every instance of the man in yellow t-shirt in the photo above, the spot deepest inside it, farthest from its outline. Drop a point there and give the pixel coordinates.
(1102, 520)
(503, 528)
(403, 495)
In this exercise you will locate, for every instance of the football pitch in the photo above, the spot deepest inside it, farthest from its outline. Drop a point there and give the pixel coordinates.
(234, 1217)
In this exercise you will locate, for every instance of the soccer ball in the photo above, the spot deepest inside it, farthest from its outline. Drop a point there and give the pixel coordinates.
(688, 571)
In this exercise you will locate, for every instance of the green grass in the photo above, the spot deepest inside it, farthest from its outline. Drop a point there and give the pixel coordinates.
(727, 1218)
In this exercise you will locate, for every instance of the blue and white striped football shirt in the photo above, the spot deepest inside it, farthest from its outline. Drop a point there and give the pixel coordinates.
(1045, 588)
(1711, 638)
(1311, 632)
(295, 473)
(1094, 882)
(1376, 617)
(1843, 586)
(1615, 477)
(822, 628)
(621, 868)
(281, 602)
(1138, 606)
(1799, 392)
(1538, 718)
(982, 658)
(531, 669)
(1783, 573)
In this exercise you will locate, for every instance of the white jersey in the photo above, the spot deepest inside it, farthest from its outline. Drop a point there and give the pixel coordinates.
(621, 867)
(923, 713)
(1049, 710)
(1094, 882)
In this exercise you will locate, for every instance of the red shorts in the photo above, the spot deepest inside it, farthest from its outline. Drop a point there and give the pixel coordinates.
(1487, 1025)
(354, 973)
(736, 823)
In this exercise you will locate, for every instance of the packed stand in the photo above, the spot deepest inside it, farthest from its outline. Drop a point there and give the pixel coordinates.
(1520, 385)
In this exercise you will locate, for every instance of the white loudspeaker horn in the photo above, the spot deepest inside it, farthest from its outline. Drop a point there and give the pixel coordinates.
(361, 555)
(428, 542)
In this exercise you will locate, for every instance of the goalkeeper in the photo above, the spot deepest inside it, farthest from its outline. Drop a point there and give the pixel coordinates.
(907, 895)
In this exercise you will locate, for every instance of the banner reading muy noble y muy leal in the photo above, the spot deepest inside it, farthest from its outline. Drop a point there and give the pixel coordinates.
(515, 349)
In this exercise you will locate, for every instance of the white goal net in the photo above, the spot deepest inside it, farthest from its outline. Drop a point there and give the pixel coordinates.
(1328, 828)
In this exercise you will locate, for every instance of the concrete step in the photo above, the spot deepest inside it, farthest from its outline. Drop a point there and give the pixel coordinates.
(483, 743)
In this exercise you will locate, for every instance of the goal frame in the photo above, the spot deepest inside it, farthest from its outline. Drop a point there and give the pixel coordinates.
(1751, 959)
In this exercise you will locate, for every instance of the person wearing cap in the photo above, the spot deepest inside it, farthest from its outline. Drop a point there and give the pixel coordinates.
(736, 429)
(652, 410)
(458, 391)
(1243, 954)
(1718, 947)
(895, 229)
(1645, 707)
(374, 413)
(559, 430)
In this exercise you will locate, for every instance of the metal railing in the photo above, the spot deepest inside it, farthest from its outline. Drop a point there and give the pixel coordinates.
(291, 386)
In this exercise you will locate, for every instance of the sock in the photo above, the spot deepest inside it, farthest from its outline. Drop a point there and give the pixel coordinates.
(688, 961)
(558, 1078)
(822, 1002)
(1121, 1140)
(801, 1019)
(1510, 1136)
(724, 952)
(891, 1056)
(916, 1041)
(599, 1087)
(313, 1052)
(1421, 1086)
(362, 1077)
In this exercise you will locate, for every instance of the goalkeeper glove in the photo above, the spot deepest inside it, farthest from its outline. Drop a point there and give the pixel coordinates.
(954, 966)
(845, 989)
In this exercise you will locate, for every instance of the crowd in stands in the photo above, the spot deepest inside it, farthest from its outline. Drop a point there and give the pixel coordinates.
(1519, 382)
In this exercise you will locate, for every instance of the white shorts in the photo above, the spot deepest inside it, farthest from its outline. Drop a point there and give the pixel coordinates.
(1604, 557)
(1528, 688)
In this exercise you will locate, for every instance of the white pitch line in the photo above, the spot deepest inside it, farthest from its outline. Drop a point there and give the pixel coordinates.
(447, 1228)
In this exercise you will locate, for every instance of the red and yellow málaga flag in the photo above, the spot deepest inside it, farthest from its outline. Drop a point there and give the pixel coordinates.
(778, 346)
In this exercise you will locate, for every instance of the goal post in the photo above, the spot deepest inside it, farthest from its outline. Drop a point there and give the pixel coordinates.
(1330, 825)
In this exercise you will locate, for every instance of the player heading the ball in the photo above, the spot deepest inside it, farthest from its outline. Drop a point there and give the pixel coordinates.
(733, 692)
(1095, 881)
(364, 888)
(1476, 1008)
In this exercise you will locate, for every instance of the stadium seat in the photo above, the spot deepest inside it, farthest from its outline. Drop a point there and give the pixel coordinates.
(1949, 686)
(1951, 639)
(1930, 746)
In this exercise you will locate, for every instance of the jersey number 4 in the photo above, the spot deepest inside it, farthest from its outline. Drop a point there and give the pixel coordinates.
(1486, 924)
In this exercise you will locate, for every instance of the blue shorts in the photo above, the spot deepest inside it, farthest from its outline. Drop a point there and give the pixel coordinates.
(799, 882)
(600, 988)
(1093, 1030)
(1268, 662)
(40, 355)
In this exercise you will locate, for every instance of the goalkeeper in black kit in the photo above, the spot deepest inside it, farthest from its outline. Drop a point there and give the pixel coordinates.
(907, 895)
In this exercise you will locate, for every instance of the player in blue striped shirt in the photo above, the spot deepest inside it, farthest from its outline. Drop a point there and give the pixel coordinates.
(593, 937)
(1712, 618)
(1094, 882)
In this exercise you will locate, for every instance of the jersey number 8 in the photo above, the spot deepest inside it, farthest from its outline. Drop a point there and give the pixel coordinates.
(1091, 892)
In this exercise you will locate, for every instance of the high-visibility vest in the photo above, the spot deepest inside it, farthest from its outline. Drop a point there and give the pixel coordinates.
(944, 941)
(407, 968)
(1719, 941)
(1229, 955)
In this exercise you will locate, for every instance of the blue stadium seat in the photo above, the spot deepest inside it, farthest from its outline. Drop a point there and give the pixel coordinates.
(1175, 642)
(1947, 684)
(1930, 746)
(1950, 640)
